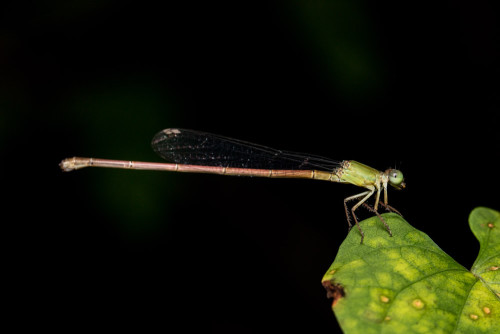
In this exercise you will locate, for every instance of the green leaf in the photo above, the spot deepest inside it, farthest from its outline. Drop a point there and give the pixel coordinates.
(407, 284)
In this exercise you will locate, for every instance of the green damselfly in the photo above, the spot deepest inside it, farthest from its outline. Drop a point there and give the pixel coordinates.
(200, 152)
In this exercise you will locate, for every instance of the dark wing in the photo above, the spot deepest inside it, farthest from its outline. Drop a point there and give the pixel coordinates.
(200, 148)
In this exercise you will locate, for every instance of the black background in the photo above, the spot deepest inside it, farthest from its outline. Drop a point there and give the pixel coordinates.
(412, 86)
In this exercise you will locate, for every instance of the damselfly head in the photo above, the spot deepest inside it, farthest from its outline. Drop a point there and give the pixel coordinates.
(396, 178)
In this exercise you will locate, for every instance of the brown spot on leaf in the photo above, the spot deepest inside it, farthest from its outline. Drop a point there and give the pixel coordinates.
(333, 290)
(418, 304)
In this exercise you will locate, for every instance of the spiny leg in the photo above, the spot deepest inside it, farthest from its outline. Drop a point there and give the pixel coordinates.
(347, 210)
(370, 208)
(366, 195)
(385, 203)
(390, 208)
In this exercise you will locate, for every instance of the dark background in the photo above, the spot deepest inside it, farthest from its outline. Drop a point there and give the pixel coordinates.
(412, 86)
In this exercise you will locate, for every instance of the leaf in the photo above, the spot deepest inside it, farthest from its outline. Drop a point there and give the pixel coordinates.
(407, 284)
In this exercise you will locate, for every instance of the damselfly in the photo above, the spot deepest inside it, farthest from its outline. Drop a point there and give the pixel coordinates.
(200, 152)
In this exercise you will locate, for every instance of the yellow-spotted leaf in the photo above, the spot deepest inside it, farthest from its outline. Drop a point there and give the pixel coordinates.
(407, 284)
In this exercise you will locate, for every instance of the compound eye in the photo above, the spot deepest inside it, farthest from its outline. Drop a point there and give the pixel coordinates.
(395, 177)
